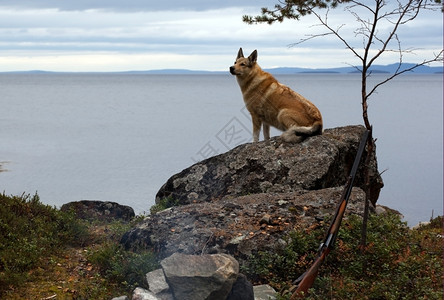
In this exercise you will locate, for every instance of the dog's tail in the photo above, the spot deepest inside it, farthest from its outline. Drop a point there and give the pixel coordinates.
(316, 129)
(299, 133)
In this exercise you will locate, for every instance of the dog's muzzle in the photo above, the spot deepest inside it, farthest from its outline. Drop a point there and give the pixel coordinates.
(232, 71)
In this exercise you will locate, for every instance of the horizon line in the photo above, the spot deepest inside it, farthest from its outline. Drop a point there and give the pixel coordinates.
(381, 69)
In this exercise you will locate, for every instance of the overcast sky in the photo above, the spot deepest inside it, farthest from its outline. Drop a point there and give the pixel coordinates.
(113, 35)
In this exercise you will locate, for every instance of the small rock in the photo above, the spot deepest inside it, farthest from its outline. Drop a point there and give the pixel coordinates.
(121, 298)
(264, 292)
(281, 244)
(242, 289)
(157, 282)
(142, 294)
(282, 202)
(200, 277)
(237, 240)
(266, 219)
(379, 210)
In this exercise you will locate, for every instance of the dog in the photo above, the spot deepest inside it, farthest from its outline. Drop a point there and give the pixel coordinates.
(271, 103)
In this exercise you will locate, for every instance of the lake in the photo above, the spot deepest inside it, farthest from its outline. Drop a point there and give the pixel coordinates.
(119, 137)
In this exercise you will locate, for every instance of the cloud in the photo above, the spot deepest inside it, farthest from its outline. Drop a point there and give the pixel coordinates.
(104, 35)
(133, 5)
(146, 29)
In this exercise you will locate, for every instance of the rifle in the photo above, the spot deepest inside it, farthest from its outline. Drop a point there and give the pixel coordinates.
(306, 280)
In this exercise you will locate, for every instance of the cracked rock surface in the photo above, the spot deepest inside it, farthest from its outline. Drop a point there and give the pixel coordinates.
(275, 167)
(237, 225)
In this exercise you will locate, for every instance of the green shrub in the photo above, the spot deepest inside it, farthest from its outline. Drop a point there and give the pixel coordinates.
(398, 263)
(290, 261)
(164, 204)
(121, 266)
(30, 230)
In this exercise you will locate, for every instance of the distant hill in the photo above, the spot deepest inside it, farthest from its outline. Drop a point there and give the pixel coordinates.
(30, 72)
(289, 70)
(174, 71)
(388, 69)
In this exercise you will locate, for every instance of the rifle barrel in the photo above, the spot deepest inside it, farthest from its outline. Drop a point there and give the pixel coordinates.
(309, 276)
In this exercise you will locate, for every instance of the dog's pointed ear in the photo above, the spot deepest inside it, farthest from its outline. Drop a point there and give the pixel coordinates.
(253, 56)
(240, 54)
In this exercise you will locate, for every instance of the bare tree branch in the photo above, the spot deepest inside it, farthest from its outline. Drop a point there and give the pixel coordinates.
(438, 57)
(336, 33)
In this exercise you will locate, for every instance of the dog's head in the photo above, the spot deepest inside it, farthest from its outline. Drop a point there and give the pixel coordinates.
(242, 65)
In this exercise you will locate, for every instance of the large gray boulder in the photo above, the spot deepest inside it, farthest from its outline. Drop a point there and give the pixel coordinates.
(275, 167)
(251, 197)
(237, 225)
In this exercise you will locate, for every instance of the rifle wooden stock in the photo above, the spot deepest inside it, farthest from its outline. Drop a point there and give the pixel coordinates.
(307, 279)
(310, 276)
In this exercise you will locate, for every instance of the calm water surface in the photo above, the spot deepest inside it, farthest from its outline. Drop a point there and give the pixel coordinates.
(120, 137)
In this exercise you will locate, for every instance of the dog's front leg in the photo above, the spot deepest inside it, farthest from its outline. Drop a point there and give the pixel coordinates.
(266, 131)
(256, 128)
